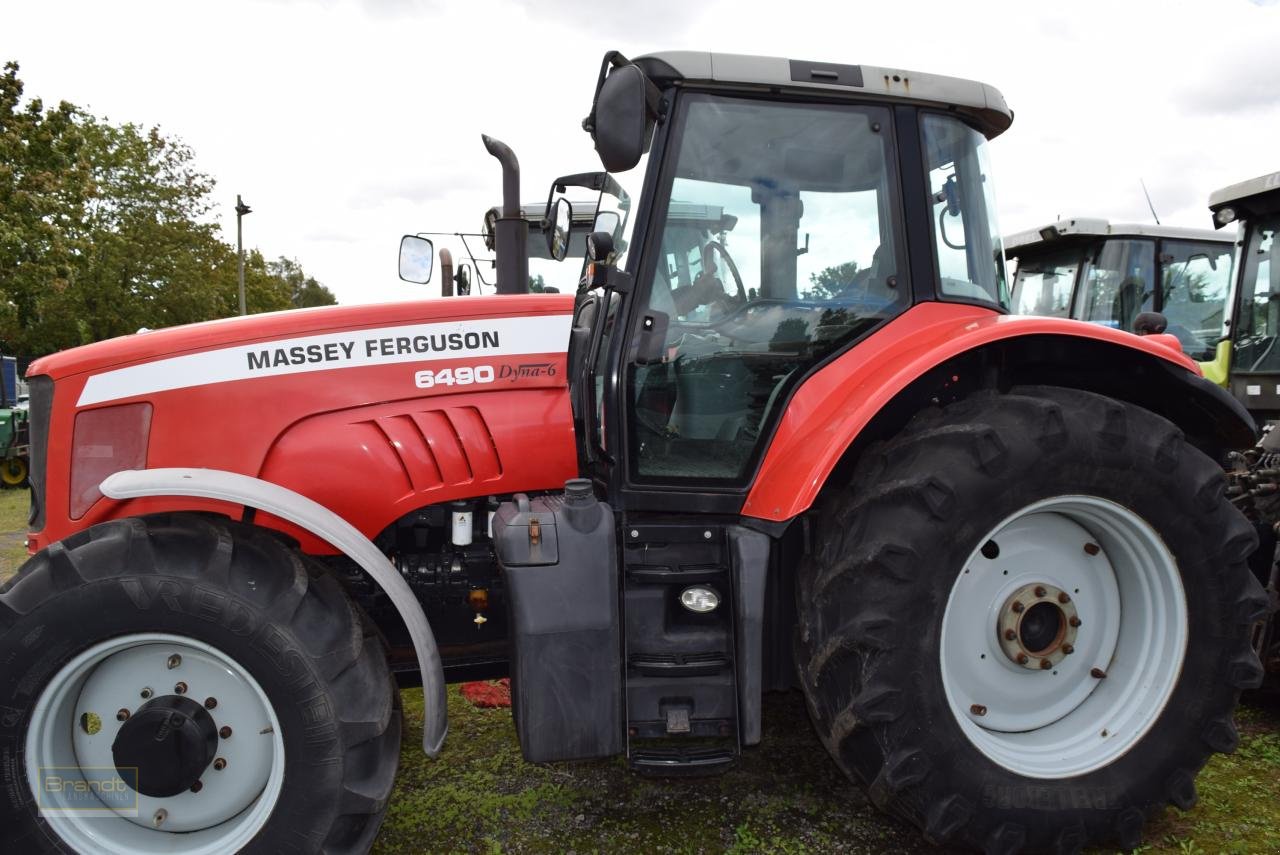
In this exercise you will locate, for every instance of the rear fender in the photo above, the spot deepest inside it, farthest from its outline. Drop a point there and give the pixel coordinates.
(329, 527)
(937, 352)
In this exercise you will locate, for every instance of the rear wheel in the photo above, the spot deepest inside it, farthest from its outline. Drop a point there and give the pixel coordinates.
(195, 684)
(1026, 624)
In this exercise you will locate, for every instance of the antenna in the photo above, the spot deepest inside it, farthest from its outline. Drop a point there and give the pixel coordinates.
(1149, 205)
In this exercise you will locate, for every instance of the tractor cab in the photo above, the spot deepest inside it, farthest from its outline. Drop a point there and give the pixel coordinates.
(1108, 273)
(1254, 322)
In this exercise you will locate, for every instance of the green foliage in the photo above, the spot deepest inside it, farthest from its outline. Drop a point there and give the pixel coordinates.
(104, 229)
(831, 281)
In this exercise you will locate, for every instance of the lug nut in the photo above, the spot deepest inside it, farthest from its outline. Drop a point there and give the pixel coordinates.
(210, 703)
(1010, 635)
(197, 787)
(1018, 607)
(1063, 598)
(1097, 674)
(1068, 649)
(978, 709)
(159, 818)
(180, 689)
(123, 715)
(174, 661)
(1040, 591)
(1045, 664)
(1023, 659)
(1074, 621)
(225, 732)
(1092, 548)
(146, 693)
(219, 764)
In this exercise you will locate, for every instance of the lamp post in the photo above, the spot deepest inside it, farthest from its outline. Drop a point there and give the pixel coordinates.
(241, 210)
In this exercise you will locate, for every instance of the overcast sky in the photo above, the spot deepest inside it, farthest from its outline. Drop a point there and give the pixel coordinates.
(346, 123)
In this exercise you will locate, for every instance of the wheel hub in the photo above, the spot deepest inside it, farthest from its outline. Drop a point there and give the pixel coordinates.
(1038, 626)
(1028, 685)
(170, 741)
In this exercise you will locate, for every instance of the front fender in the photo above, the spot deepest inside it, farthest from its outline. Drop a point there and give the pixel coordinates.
(326, 525)
(832, 407)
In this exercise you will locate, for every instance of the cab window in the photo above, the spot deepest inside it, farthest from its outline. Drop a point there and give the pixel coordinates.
(779, 245)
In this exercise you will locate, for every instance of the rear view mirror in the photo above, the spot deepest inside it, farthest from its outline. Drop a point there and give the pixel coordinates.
(559, 229)
(607, 221)
(416, 258)
(620, 124)
(462, 280)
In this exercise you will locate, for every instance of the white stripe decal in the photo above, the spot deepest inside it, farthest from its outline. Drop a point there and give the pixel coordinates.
(349, 349)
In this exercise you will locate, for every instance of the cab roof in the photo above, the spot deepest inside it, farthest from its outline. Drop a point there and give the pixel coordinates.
(1259, 195)
(982, 104)
(1095, 227)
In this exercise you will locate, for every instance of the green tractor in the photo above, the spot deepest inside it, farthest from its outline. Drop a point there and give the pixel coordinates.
(1253, 348)
(14, 434)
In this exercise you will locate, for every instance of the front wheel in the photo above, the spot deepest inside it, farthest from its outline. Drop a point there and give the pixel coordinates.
(186, 683)
(13, 471)
(1026, 626)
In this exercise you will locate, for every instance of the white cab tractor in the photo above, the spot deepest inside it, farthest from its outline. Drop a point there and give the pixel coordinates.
(1107, 273)
(1254, 379)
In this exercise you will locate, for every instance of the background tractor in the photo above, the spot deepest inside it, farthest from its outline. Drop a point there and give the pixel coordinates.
(800, 443)
(1109, 274)
(1255, 378)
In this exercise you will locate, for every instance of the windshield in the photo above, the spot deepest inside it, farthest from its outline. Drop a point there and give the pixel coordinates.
(1119, 283)
(1195, 278)
(1045, 280)
(1259, 326)
(966, 236)
(778, 244)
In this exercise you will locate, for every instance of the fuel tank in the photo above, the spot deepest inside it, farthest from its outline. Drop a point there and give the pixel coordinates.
(372, 411)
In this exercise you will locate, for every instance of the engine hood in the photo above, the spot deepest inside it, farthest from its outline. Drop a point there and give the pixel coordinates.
(172, 341)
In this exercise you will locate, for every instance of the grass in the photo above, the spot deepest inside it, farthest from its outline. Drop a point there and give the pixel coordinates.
(784, 796)
(13, 530)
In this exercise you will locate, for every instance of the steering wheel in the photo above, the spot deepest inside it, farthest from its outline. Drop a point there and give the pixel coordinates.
(718, 248)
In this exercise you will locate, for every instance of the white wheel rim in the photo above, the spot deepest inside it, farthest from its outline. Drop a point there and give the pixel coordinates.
(233, 802)
(1086, 709)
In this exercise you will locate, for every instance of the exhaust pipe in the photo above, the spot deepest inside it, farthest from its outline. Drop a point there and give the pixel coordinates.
(446, 272)
(512, 229)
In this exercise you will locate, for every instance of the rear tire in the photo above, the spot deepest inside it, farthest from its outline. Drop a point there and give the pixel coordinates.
(893, 686)
(283, 642)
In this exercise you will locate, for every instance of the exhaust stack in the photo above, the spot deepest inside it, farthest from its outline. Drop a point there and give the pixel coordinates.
(512, 230)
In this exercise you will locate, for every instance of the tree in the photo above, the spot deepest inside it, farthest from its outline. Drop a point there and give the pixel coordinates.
(304, 290)
(831, 281)
(105, 228)
(44, 184)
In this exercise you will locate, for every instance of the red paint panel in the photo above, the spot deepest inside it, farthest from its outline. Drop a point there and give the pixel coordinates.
(828, 411)
(346, 437)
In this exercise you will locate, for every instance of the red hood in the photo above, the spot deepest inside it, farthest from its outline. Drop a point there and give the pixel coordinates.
(227, 331)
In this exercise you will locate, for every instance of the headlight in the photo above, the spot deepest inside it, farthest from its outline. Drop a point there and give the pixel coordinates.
(106, 440)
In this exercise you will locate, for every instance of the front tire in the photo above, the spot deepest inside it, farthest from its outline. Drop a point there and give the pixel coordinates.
(242, 657)
(1026, 624)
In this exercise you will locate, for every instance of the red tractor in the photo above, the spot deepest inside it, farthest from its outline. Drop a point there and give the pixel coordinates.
(785, 434)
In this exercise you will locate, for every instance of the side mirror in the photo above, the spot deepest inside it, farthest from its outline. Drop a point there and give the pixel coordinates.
(620, 123)
(416, 258)
(462, 280)
(607, 221)
(559, 228)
